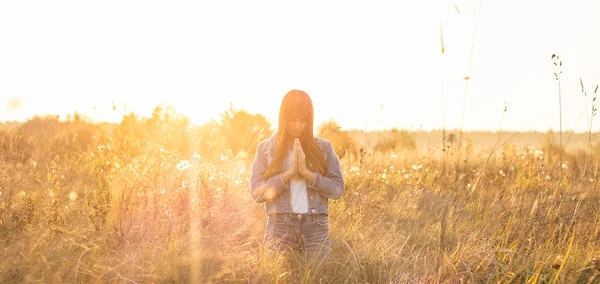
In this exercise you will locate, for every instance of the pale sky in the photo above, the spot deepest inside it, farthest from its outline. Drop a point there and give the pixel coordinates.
(352, 57)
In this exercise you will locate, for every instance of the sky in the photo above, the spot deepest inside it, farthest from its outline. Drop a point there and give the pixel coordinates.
(366, 64)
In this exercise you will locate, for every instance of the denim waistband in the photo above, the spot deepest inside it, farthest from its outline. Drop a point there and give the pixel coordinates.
(301, 216)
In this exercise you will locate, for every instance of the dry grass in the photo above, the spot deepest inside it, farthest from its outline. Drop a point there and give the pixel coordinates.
(97, 212)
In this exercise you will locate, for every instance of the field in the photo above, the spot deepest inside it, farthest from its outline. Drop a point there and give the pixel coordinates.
(160, 201)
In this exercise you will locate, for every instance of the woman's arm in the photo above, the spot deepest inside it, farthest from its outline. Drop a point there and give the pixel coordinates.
(260, 189)
(332, 185)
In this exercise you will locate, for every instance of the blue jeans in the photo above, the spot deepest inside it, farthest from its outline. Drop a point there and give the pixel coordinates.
(298, 232)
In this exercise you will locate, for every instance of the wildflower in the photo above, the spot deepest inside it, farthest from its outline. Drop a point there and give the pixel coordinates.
(73, 195)
(196, 156)
(383, 176)
(406, 176)
(547, 177)
(162, 191)
(468, 186)
(564, 166)
(538, 154)
(393, 156)
(183, 165)
(502, 173)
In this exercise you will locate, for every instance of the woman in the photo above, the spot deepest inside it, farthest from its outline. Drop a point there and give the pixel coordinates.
(295, 174)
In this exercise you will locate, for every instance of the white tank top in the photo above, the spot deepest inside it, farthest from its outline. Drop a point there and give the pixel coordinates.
(299, 196)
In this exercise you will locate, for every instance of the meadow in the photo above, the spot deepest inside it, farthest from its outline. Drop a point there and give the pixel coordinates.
(158, 200)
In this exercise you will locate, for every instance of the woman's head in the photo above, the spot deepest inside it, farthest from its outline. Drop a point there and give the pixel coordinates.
(296, 120)
(296, 116)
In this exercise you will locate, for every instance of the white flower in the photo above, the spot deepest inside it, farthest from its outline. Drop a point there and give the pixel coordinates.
(564, 166)
(183, 165)
(538, 154)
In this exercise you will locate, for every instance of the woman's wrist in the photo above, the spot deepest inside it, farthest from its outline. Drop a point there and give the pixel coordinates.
(308, 175)
(286, 176)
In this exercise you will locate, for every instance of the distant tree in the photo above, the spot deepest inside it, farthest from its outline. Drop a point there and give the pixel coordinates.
(131, 134)
(169, 128)
(396, 140)
(341, 140)
(242, 131)
(208, 141)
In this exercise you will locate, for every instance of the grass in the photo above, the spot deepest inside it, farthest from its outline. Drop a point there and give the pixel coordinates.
(72, 212)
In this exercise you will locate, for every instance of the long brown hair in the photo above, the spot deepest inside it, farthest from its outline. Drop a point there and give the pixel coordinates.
(296, 103)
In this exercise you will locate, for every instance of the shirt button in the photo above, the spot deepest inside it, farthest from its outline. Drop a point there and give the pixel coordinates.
(313, 211)
(311, 198)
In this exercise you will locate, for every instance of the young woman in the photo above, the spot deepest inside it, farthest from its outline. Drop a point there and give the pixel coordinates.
(295, 174)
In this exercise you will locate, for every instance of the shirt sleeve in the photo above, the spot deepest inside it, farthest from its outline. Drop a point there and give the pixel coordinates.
(263, 190)
(331, 185)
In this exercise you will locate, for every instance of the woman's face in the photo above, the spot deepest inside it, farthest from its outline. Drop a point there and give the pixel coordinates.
(295, 127)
